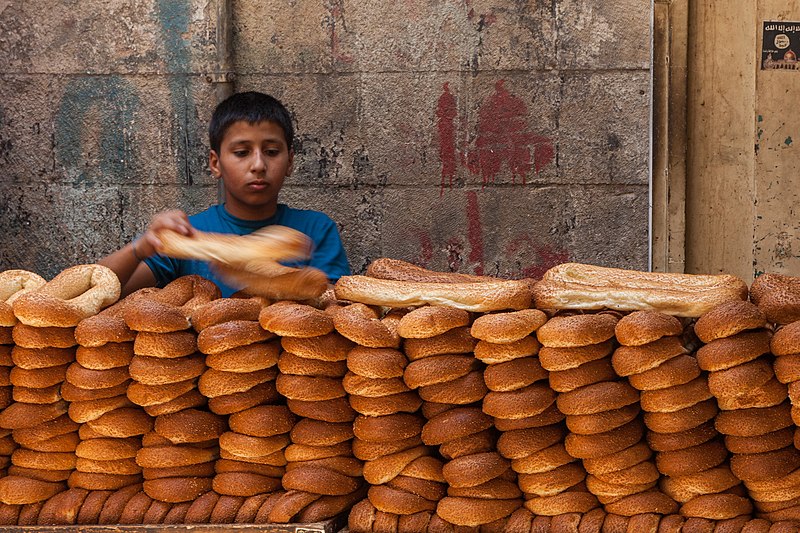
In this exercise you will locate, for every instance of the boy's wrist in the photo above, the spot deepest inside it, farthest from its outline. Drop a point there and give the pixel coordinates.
(138, 249)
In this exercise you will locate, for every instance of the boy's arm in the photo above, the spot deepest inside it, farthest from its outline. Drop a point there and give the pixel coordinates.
(128, 262)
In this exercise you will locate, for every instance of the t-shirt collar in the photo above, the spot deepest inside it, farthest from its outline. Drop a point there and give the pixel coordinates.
(255, 224)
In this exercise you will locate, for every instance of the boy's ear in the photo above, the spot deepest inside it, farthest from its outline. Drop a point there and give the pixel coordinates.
(290, 167)
(213, 164)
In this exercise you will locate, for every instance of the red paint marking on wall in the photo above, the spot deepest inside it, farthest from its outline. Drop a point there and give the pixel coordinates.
(503, 137)
(548, 256)
(475, 232)
(446, 115)
(426, 247)
(336, 10)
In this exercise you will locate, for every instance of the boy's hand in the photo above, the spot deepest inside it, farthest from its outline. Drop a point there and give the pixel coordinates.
(175, 220)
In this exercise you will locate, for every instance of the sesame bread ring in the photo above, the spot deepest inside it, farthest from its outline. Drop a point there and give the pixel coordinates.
(63, 443)
(188, 400)
(610, 492)
(86, 378)
(232, 334)
(369, 387)
(762, 443)
(474, 512)
(74, 294)
(288, 363)
(495, 489)
(6, 335)
(385, 468)
(387, 428)
(51, 476)
(676, 398)
(429, 321)
(250, 506)
(503, 328)
(437, 369)
(381, 363)
(230, 465)
(461, 391)
(45, 431)
(630, 360)
(335, 410)
(248, 446)
(199, 470)
(108, 326)
(529, 401)
(71, 393)
(108, 449)
(283, 509)
(644, 327)
(765, 466)
(45, 337)
(586, 374)
(89, 512)
(331, 506)
(544, 460)
(309, 388)
(361, 324)
(752, 422)
(787, 368)
(474, 469)
(122, 423)
(735, 350)
(38, 378)
(577, 330)
(177, 489)
(717, 506)
(158, 371)
(263, 393)
(514, 375)
(215, 383)
(22, 415)
(146, 395)
(319, 481)
(481, 442)
(171, 456)
(786, 340)
(556, 359)
(248, 358)
(523, 442)
(190, 426)
(691, 460)
(597, 398)
(777, 296)
(682, 419)
(455, 341)
(603, 444)
(157, 512)
(43, 460)
(329, 347)
(289, 319)
(13, 285)
(263, 421)
(770, 394)
(169, 309)
(34, 358)
(225, 310)
(16, 490)
(643, 503)
(244, 484)
(116, 466)
(165, 345)
(430, 490)
(85, 411)
(491, 353)
(710, 481)
(399, 502)
(676, 371)
(110, 355)
(369, 451)
(728, 319)
(594, 423)
(454, 424)
(667, 442)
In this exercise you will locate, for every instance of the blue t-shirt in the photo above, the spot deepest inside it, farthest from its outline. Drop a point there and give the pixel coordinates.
(328, 253)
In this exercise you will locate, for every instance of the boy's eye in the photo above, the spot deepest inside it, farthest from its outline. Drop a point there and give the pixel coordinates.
(272, 153)
(240, 153)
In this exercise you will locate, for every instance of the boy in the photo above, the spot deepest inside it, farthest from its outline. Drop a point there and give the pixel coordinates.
(251, 138)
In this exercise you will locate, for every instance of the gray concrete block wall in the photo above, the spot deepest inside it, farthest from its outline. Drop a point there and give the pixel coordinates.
(472, 135)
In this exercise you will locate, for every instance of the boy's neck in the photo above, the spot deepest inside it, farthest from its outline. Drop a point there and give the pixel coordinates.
(243, 213)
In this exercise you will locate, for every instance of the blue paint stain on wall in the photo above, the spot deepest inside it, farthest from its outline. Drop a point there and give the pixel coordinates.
(788, 141)
(115, 101)
(174, 17)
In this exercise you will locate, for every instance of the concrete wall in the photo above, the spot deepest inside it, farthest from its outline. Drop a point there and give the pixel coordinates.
(483, 136)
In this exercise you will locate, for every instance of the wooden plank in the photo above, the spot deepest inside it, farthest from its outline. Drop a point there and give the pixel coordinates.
(670, 30)
(720, 191)
(777, 163)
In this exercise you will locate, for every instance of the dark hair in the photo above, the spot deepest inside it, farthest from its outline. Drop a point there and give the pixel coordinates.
(252, 107)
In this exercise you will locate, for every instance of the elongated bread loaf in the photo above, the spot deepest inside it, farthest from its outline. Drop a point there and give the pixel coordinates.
(275, 243)
(472, 296)
(579, 286)
(385, 268)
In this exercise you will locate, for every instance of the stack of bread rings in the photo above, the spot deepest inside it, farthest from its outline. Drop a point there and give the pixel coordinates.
(785, 346)
(44, 348)
(322, 477)
(522, 406)
(96, 384)
(178, 466)
(678, 409)
(13, 284)
(241, 359)
(406, 482)
(755, 414)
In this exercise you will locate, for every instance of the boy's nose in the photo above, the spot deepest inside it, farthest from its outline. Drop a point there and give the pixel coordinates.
(259, 161)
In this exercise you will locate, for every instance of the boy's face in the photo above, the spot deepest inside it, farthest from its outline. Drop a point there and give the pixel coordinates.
(253, 161)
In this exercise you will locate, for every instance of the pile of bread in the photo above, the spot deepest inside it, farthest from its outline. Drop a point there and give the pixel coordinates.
(407, 400)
